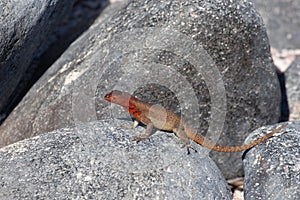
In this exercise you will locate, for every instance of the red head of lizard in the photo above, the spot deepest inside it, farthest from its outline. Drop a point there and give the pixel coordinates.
(118, 97)
(125, 100)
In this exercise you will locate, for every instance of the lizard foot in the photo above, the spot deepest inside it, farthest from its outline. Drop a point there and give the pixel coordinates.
(126, 127)
(189, 146)
(185, 143)
(134, 125)
(140, 138)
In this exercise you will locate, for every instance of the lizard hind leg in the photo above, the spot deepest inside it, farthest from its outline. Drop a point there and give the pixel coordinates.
(179, 132)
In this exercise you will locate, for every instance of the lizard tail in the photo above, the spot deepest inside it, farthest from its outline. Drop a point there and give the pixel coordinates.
(228, 149)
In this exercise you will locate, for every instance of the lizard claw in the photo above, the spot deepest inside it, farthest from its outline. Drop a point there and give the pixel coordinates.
(126, 127)
(188, 146)
(186, 143)
(134, 125)
(137, 139)
(140, 138)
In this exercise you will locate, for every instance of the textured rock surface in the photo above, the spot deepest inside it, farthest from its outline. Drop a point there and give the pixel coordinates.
(24, 27)
(97, 161)
(272, 168)
(282, 19)
(293, 89)
(50, 106)
(69, 28)
(211, 59)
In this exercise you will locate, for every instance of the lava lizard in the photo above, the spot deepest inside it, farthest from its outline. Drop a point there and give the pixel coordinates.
(166, 120)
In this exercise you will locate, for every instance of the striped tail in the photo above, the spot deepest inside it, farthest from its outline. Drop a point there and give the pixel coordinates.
(228, 149)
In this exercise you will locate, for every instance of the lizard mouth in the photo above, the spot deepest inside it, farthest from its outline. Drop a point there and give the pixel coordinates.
(113, 95)
(107, 97)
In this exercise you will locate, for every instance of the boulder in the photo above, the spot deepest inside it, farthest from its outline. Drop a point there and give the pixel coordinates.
(99, 161)
(293, 90)
(272, 168)
(25, 27)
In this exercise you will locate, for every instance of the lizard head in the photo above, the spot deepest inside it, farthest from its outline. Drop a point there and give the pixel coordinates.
(118, 97)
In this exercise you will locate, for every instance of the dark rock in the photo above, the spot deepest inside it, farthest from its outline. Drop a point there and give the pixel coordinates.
(100, 161)
(210, 62)
(53, 116)
(293, 89)
(282, 19)
(272, 168)
(25, 27)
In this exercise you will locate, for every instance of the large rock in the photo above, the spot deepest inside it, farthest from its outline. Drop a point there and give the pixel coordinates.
(272, 168)
(212, 60)
(24, 29)
(98, 161)
(293, 89)
(52, 115)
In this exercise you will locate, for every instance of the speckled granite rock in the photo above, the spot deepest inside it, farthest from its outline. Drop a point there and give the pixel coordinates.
(293, 89)
(207, 60)
(272, 169)
(24, 28)
(97, 161)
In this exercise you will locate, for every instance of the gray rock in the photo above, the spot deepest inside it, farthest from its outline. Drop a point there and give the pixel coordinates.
(47, 111)
(81, 16)
(24, 27)
(293, 89)
(272, 168)
(282, 19)
(100, 161)
(208, 61)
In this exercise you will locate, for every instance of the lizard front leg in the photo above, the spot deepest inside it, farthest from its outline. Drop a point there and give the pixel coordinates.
(146, 135)
(134, 125)
(179, 132)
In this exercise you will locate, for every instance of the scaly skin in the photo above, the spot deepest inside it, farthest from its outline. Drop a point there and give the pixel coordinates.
(163, 119)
